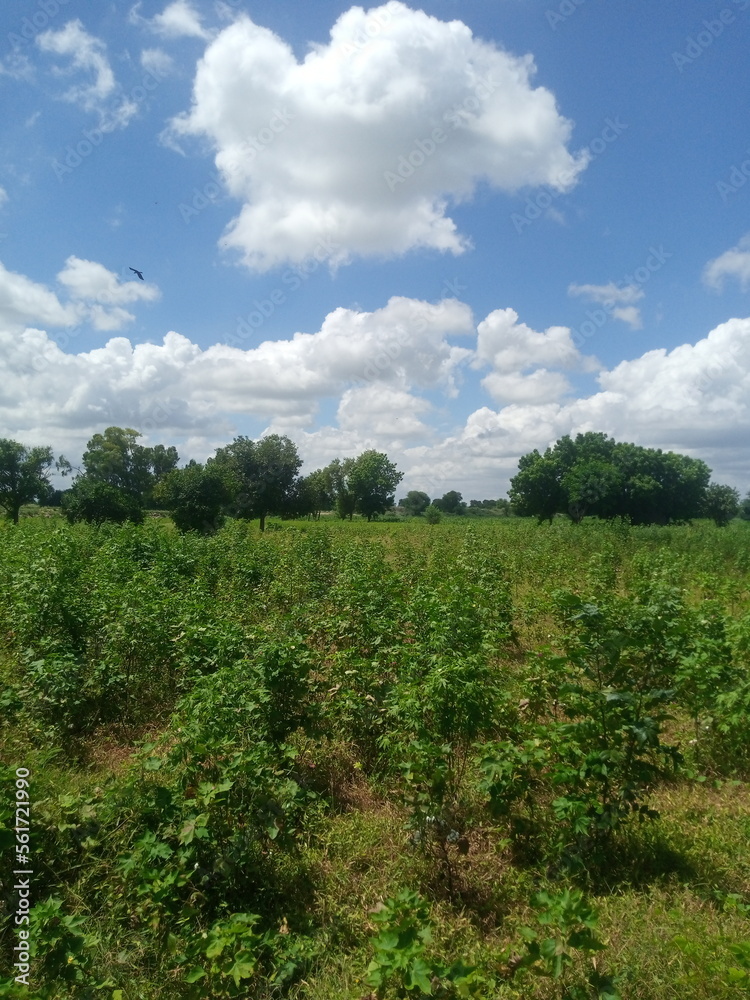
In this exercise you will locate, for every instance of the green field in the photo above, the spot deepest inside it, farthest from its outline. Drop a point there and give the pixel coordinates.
(483, 758)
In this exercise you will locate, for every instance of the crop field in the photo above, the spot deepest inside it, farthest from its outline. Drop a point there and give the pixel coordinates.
(483, 758)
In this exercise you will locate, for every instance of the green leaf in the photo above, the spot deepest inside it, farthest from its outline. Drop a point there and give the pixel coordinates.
(243, 968)
(420, 976)
(195, 974)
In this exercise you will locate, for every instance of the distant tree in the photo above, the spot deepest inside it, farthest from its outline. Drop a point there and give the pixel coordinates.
(364, 485)
(318, 488)
(415, 503)
(337, 476)
(722, 503)
(196, 495)
(23, 475)
(373, 479)
(744, 510)
(266, 471)
(536, 491)
(94, 501)
(594, 475)
(451, 503)
(115, 457)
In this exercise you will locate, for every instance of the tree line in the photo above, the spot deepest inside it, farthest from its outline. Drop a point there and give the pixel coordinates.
(591, 475)
(120, 478)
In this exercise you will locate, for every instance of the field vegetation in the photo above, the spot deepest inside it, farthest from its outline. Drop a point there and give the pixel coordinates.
(483, 758)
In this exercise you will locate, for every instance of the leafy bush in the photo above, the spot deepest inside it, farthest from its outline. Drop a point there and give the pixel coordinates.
(94, 501)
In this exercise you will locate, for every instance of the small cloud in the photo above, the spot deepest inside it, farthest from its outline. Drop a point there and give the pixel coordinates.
(734, 263)
(630, 315)
(17, 66)
(32, 119)
(89, 280)
(618, 300)
(556, 215)
(88, 55)
(606, 294)
(178, 20)
(3, 196)
(157, 61)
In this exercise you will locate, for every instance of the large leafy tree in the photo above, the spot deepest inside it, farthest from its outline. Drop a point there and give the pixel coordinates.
(451, 502)
(196, 495)
(595, 475)
(722, 503)
(364, 485)
(95, 501)
(310, 496)
(24, 475)
(592, 486)
(344, 498)
(372, 480)
(115, 457)
(537, 491)
(266, 472)
(415, 502)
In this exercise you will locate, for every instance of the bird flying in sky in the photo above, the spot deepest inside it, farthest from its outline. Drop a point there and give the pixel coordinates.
(137, 272)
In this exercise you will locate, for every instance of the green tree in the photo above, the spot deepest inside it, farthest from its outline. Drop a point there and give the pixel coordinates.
(744, 510)
(592, 487)
(115, 457)
(593, 474)
(196, 495)
(266, 472)
(415, 503)
(95, 501)
(722, 503)
(536, 490)
(24, 475)
(345, 500)
(311, 495)
(451, 502)
(373, 479)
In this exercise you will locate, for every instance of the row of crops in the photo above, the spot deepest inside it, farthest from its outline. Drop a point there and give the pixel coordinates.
(385, 760)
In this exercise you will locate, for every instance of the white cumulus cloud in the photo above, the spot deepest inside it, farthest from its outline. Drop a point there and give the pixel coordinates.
(370, 137)
(179, 19)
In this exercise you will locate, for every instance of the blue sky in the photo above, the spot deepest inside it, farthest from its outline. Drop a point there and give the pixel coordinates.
(452, 232)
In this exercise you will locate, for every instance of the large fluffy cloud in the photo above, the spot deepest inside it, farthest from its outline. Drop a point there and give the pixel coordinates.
(369, 137)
